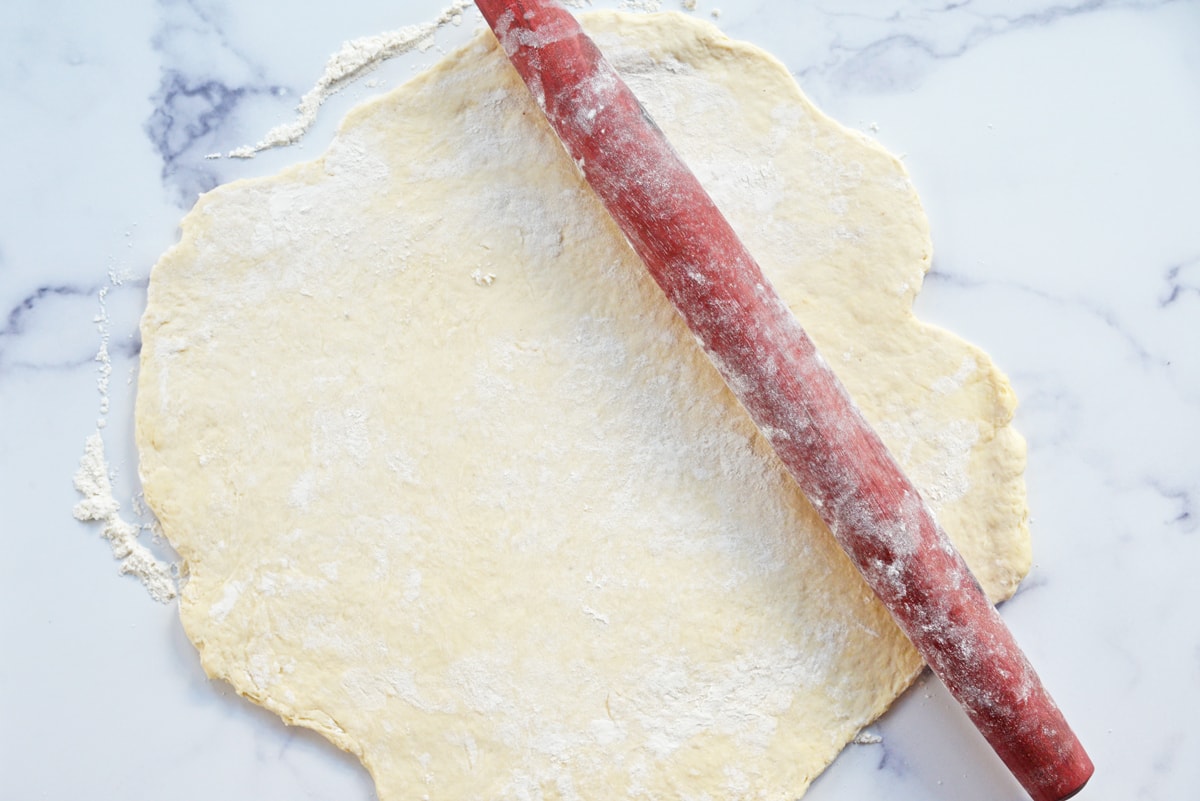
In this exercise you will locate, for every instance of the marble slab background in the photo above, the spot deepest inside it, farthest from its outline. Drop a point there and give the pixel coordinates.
(1055, 147)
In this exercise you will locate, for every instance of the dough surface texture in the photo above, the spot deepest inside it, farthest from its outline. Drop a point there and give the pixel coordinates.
(456, 488)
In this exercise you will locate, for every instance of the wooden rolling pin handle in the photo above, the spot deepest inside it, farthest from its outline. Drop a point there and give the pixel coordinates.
(773, 368)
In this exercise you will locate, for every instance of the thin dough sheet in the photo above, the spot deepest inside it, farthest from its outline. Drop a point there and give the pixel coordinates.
(455, 487)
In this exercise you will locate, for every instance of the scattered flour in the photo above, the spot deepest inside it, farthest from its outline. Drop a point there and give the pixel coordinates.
(353, 59)
(99, 505)
(102, 358)
(92, 481)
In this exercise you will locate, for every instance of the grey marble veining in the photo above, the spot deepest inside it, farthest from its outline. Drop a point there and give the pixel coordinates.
(1053, 144)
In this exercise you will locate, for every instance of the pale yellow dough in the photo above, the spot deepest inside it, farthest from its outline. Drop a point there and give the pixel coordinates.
(456, 488)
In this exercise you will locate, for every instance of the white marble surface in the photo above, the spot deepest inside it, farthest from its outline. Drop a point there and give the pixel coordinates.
(1054, 144)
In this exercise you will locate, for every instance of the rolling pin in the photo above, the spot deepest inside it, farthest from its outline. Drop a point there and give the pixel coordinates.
(875, 513)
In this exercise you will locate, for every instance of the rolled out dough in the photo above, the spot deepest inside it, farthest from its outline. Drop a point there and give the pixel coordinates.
(455, 487)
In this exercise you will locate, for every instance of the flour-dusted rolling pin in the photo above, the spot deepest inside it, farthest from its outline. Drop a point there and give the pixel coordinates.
(768, 361)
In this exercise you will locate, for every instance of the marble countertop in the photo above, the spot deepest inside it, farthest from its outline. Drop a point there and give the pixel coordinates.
(1053, 143)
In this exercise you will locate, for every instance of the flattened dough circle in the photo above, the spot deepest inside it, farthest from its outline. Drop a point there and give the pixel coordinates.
(455, 487)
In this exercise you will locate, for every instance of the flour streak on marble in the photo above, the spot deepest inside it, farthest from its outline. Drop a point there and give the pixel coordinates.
(202, 88)
(1053, 145)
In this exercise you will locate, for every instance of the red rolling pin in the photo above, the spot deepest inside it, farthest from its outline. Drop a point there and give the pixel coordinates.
(873, 510)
